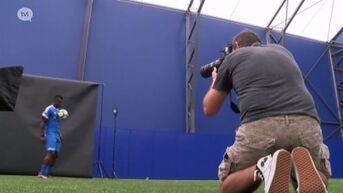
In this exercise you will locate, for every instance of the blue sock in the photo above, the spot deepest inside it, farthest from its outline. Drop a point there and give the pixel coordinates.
(47, 170)
(42, 170)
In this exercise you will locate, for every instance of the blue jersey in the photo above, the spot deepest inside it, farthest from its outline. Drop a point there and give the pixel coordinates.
(53, 121)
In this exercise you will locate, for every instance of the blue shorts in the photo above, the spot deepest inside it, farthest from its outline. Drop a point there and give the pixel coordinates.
(53, 142)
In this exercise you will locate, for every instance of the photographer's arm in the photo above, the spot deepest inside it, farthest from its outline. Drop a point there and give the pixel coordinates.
(213, 99)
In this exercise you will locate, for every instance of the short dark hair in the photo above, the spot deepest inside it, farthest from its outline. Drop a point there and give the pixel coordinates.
(246, 38)
(58, 96)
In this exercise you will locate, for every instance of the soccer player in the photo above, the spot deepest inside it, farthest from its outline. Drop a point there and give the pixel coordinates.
(51, 135)
(278, 116)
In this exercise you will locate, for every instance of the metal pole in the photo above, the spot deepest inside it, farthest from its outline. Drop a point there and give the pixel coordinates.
(268, 29)
(287, 23)
(277, 12)
(190, 5)
(192, 49)
(188, 61)
(293, 16)
(335, 83)
(99, 165)
(328, 107)
(114, 143)
(195, 24)
(337, 34)
(316, 63)
(84, 43)
(330, 123)
(283, 33)
(332, 133)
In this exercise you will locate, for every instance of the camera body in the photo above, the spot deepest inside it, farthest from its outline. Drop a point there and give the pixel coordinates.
(207, 69)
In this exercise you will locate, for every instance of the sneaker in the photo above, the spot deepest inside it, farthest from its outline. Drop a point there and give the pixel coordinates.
(41, 176)
(275, 171)
(308, 178)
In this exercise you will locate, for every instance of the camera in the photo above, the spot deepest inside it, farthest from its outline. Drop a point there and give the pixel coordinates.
(206, 70)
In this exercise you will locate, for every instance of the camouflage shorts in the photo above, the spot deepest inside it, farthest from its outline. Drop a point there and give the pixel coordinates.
(263, 137)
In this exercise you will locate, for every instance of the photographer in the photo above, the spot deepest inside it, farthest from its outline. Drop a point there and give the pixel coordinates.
(278, 116)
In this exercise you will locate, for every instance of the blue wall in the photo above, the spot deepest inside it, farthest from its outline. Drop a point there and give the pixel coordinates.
(138, 52)
(50, 44)
(135, 51)
(164, 154)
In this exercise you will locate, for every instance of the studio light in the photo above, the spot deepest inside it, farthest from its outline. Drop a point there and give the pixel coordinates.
(115, 111)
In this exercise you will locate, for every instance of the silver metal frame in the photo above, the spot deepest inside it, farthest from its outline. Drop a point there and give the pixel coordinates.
(336, 62)
(281, 40)
(316, 92)
(336, 58)
(192, 49)
(85, 37)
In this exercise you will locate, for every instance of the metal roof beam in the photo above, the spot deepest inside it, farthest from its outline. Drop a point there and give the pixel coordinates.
(190, 5)
(199, 8)
(85, 37)
(337, 35)
(294, 14)
(276, 13)
(192, 53)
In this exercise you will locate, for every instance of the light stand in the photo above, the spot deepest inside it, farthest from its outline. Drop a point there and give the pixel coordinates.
(115, 113)
(99, 166)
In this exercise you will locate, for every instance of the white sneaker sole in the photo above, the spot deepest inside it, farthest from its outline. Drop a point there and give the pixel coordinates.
(42, 177)
(282, 164)
(309, 180)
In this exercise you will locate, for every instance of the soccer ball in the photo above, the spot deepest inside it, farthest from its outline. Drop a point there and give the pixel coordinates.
(63, 114)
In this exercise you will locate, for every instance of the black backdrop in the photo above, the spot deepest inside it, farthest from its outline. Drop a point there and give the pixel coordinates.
(21, 151)
(10, 78)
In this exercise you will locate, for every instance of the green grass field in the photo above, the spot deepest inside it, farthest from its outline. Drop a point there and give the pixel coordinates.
(30, 184)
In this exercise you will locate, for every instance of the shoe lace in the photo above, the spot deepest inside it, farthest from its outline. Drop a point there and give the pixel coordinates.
(259, 174)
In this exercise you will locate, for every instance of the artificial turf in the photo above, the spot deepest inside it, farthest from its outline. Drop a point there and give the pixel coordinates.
(30, 184)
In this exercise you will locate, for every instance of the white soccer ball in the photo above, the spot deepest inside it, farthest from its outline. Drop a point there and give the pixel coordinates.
(63, 114)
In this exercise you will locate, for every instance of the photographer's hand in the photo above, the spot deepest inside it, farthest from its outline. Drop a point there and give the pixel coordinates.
(213, 99)
(214, 76)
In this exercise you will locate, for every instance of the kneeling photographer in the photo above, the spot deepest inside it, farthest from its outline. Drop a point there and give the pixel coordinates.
(279, 124)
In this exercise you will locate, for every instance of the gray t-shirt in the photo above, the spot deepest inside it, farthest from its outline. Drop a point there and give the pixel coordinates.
(267, 81)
